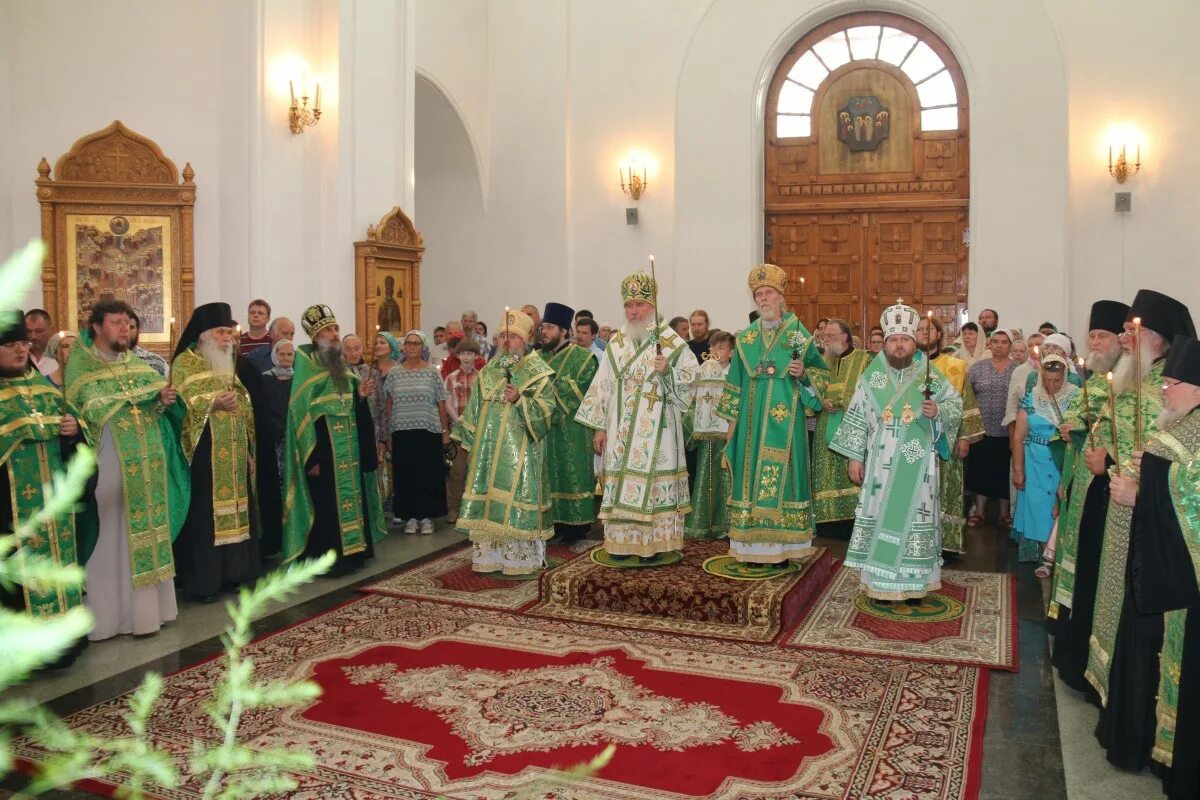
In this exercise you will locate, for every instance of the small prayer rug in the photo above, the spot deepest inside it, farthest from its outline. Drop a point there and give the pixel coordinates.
(449, 578)
(606, 559)
(683, 597)
(730, 567)
(424, 700)
(970, 620)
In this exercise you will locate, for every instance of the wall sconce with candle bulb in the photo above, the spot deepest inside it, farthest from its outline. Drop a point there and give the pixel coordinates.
(299, 114)
(1121, 168)
(633, 184)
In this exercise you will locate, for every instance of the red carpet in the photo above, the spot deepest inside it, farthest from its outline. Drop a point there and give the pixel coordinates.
(970, 620)
(423, 700)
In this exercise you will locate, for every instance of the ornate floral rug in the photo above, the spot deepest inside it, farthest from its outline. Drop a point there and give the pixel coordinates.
(970, 620)
(683, 597)
(424, 700)
(449, 578)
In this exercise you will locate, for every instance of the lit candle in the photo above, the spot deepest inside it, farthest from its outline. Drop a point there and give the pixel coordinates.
(292, 92)
(1137, 386)
(1087, 407)
(1112, 421)
(317, 102)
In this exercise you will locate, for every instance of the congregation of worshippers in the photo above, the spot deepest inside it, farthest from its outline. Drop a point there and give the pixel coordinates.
(248, 449)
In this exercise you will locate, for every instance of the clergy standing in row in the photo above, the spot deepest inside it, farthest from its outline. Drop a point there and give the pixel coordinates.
(505, 426)
(141, 496)
(1161, 670)
(894, 435)
(331, 497)
(569, 445)
(1081, 524)
(635, 406)
(217, 547)
(766, 392)
(35, 439)
(1118, 662)
(834, 496)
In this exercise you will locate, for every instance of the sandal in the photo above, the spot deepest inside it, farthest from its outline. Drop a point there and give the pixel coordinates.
(1043, 570)
(974, 521)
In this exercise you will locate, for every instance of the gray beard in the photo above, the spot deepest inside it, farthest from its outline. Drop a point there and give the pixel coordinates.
(220, 359)
(836, 350)
(1102, 363)
(1123, 375)
(329, 356)
(1167, 418)
(895, 362)
(638, 331)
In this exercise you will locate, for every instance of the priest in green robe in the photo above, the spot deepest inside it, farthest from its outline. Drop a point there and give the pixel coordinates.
(128, 415)
(706, 431)
(769, 386)
(217, 548)
(834, 496)
(1081, 522)
(569, 445)
(506, 507)
(1157, 676)
(331, 497)
(35, 439)
(635, 406)
(902, 420)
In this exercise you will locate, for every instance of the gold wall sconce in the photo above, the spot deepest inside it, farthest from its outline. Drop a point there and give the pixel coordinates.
(1121, 169)
(299, 114)
(632, 184)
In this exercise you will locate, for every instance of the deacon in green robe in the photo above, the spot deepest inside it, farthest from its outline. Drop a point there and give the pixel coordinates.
(706, 431)
(769, 386)
(572, 472)
(331, 498)
(506, 507)
(128, 415)
(834, 496)
(894, 437)
(35, 438)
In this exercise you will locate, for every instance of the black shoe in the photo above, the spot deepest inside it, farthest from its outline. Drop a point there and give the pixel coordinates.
(208, 599)
(914, 601)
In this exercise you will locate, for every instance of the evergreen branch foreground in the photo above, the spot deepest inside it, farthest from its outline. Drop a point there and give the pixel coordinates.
(228, 769)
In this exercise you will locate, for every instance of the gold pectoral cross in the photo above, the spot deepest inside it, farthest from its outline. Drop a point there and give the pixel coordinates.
(37, 416)
(653, 396)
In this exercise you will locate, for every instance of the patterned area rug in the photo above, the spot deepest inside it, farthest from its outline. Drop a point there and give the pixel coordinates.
(683, 597)
(970, 620)
(423, 700)
(449, 578)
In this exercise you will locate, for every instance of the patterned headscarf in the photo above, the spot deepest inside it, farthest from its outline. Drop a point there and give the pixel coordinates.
(393, 345)
(424, 342)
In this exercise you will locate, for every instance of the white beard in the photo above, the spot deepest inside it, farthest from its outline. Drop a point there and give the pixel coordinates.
(638, 331)
(1123, 376)
(220, 359)
(1167, 418)
(1102, 363)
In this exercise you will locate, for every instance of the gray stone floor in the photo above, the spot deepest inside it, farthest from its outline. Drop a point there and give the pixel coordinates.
(1038, 742)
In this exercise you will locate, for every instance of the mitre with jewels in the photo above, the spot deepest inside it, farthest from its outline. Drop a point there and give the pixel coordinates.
(639, 286)
(767, 275)
(899, 319)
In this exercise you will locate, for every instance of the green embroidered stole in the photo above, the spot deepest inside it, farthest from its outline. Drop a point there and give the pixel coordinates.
(123, 395)
(30, 415)
(232, 441)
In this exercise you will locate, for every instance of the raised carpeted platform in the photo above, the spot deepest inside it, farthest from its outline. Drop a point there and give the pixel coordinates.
(684, 597)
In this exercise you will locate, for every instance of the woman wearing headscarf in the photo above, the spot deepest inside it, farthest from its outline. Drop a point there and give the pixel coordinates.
(270, 422)
(1037, 462)
(969, 346)
(386, 350)
(352, 347)
(415, 408)
(988, 461)
(59, 348)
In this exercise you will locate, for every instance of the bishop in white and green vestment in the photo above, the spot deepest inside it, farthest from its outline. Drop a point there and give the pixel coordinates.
(636, 405)
(766, 392)
(894, 438)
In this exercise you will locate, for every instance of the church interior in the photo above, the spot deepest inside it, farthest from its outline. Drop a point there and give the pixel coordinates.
(544, 592)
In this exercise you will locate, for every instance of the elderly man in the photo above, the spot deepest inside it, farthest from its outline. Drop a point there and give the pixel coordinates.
(903, 418)
(1081, 524)
(568, 447)
(330, 458)
(1153, 689)
(141, 495)
(281, 329)
(217, 548)
(470, 326)
(506, 505)
(1116, 658)
(767, 390)
(36, 437)
(635, 405)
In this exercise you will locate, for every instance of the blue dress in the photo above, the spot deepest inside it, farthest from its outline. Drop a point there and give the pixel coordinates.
(1034, 519)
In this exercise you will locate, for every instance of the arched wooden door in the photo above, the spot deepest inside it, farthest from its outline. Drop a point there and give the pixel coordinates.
(867, 183)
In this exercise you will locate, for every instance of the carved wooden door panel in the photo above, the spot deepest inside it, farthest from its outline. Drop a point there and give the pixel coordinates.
(919, 256)
(826, 250)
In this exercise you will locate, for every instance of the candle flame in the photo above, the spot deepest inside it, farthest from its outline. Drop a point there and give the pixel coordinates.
(1109, 377)
(1137, 321)
(929, 314)
(1081, 361)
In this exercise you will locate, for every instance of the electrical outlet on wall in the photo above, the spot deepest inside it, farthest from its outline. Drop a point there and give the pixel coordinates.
(1124, 202)
(631, 216)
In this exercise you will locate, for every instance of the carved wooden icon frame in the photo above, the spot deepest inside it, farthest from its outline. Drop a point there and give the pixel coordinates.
(388, 260)
(118, 221)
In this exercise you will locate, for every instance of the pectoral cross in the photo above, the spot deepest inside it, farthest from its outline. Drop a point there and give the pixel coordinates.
(653, 396)
(29, 491)
(37, 417)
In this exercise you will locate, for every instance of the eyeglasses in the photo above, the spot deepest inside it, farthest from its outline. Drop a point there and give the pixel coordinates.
(18, 343)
